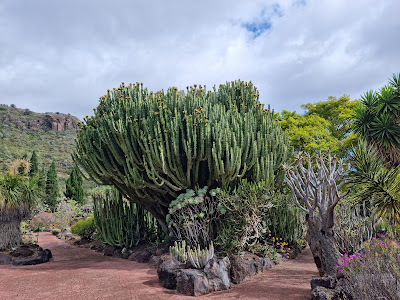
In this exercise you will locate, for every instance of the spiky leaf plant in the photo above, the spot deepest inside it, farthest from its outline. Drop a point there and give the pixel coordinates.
(377, 120)
(17, 195)
(154, 146)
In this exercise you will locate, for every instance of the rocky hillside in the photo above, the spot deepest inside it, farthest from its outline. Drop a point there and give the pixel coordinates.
(51, 135)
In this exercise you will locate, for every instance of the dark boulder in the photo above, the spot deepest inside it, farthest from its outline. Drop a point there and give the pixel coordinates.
(167, 272)
(191, 282)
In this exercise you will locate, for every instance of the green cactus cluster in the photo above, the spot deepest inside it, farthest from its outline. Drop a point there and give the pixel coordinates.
(197, 257)
(284, 221)
(154, 146)
(122, 223)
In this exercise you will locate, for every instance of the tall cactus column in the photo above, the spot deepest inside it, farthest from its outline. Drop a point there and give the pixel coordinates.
(154, 146)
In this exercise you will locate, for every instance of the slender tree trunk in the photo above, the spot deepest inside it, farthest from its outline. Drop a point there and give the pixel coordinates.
(10, 233)
(323, 248)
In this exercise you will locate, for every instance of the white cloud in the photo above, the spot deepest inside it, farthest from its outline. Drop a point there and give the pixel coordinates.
(62, 56)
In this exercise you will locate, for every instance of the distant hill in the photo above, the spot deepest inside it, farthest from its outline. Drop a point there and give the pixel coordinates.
(51, 135)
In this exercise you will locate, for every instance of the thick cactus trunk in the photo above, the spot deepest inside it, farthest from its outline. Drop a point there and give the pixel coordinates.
(323, 247)
(10, 233)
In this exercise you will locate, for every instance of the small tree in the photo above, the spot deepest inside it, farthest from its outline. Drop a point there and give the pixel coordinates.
(73, 187)
(17, 195)
(34, 165)
(317, 193)
(52, 191)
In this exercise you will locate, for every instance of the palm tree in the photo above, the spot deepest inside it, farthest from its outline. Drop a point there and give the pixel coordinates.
(18, 193)
(372, 181)
(377, 120)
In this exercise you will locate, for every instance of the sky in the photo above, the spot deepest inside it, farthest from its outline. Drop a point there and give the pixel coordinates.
(61, 56)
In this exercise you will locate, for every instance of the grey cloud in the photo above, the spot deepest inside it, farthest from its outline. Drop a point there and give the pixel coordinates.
(61, 56)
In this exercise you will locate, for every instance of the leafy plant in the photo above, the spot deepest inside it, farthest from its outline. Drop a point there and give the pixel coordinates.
(85, 227)
(373, 182)
(193, 216)
(18, 193)
(241, 225)
(377, 121)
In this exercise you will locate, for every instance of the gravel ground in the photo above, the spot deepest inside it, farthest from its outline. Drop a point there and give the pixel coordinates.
(78, 274)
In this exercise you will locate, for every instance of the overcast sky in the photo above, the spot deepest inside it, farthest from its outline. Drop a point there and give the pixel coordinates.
(63, 55)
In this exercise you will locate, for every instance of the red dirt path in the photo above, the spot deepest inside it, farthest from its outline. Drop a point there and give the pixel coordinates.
(76, 273)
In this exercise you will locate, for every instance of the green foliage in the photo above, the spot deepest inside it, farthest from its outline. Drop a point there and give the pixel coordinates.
(284, 220)
(122, 223)
(85, 227)
(308, 133)
(338, 112)
(193, 216)
(154, 146)
(74, 188)
(372, 181)
(377, 120)
(325, 125)
(52, 191)
(241, 225)
(265, 250)
(34, 164)
(196, 257)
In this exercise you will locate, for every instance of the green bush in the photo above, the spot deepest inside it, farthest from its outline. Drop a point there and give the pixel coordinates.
(241, 225)
(85, 228)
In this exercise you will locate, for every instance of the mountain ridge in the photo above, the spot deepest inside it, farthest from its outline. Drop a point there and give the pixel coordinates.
(51, 135)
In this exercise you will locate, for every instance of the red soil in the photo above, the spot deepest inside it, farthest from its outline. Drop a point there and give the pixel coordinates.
(76, 273)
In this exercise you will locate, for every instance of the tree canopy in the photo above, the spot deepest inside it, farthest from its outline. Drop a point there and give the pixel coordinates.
(325, 125)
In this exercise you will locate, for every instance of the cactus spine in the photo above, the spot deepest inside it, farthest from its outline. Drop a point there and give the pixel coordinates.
(154, 146)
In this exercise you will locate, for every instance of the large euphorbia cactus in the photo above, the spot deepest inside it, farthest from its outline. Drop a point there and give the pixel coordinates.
(154, 146)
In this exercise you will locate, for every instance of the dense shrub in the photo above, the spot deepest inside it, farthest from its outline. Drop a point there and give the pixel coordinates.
(241, 225)
(194, 217)
(85, 228)
(374, 272)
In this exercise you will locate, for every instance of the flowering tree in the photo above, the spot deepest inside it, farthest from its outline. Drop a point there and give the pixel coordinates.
(317, 193)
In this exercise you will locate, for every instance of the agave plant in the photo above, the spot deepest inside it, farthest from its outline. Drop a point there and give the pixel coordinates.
(17, 195)
(377, 120)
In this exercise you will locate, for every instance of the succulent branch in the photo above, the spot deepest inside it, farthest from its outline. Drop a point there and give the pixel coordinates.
(197, 257)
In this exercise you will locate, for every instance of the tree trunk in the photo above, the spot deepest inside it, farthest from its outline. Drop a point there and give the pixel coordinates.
(10, 233)
(323, 248)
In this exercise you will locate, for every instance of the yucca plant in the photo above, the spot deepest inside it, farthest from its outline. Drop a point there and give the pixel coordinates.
(377, 120)
(372, 181)
(18, 193)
